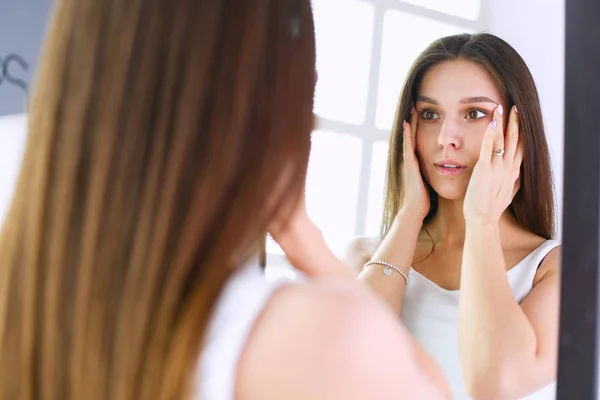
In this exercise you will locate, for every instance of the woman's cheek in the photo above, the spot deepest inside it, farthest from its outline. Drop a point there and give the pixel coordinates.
(425, 139)
(476, 134)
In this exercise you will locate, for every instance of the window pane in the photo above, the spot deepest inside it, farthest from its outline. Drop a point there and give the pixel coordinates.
(332, 187)
(344, 30)
(398, 54)
(468, 9)
(376, 187)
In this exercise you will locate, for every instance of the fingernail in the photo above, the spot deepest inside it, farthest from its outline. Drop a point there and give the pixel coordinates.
(500, 109)
(517, 111)
(412, 111)
(494, 124)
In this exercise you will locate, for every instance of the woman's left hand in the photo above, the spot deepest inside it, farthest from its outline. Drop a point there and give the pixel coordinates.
(496, 176)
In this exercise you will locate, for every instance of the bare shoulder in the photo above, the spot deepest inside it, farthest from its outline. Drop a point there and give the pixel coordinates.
(550, 266)
(328, 341)
(525, 242)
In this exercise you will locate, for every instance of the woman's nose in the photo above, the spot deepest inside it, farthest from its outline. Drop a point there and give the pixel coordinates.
(449, 135)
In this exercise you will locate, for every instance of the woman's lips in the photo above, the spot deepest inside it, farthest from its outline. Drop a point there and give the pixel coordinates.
(449, 169)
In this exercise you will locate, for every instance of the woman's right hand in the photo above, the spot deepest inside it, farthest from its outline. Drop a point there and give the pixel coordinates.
(415, 198)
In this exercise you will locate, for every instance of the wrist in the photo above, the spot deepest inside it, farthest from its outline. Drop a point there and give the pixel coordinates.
(314, 258)
(300, 233)
(410, 216)
(482, 225)
(305, 248)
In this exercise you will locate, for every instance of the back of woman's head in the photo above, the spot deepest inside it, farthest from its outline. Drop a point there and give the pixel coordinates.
(533, 205)
(164, 136)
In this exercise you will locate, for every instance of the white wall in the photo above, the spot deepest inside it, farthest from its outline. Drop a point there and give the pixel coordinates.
(12, 143)
(536, 29)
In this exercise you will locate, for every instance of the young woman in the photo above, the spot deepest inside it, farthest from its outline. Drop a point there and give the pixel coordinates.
(469, 221)
(165, 138)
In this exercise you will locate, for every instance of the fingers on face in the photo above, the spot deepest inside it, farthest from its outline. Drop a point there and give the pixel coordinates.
(520, 153)
(497, 127)
(516, 186)
(493, 139)
(514, 148)
(512, 135)
(409, 134)
(414, 120)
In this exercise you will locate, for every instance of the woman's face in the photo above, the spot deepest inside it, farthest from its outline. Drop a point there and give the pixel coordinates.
(455, 104)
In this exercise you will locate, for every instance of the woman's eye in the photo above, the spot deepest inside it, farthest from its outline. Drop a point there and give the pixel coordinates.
(429, 115)
(476, 114)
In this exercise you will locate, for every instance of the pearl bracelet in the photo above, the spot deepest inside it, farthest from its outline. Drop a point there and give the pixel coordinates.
(388, 268)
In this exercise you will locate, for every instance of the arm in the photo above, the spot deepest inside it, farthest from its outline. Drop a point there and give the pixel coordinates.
(398, 248)
(359, 251)
(507, 350)
(305, 248)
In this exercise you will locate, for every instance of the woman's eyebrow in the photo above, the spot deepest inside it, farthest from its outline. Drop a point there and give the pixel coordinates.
(426, 99)
(466, 100)
(477, 99)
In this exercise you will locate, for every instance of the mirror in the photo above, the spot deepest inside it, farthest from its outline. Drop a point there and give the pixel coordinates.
(363, 57)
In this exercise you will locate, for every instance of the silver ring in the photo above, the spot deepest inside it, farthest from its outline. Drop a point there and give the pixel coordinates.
(498, 152)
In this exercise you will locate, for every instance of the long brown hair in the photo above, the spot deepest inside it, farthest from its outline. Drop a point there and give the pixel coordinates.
(533, 205)
(158, 133)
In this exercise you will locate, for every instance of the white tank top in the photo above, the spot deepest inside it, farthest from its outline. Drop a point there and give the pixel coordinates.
(430, 313)
(238, 307)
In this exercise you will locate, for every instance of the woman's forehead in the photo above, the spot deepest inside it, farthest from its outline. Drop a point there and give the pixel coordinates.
(456, 81)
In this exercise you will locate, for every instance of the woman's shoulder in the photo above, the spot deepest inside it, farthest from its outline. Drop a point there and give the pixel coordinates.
(339, 308)
(518, 239)
(550, 264)
(317, 335)
(548, 250)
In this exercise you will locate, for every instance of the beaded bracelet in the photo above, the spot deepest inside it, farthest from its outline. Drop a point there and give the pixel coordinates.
(388, 268)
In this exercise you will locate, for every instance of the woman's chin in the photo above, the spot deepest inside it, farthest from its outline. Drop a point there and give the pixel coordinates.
(450, 192)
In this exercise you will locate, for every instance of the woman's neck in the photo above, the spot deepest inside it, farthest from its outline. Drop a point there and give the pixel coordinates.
(448, 225)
